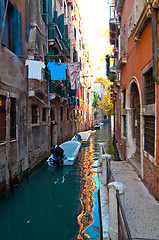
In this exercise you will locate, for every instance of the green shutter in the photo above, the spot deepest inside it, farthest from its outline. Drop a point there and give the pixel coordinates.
(61, 24)
(50, 10)
(17, 32)
(2, 12)
(55, 17)
(66, 35)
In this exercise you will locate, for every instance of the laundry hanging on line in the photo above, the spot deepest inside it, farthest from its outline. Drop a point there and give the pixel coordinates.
(34, 69)
(57, 70)
(74, 73)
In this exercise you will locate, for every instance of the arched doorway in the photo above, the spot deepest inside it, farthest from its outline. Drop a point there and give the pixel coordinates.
(133, 126)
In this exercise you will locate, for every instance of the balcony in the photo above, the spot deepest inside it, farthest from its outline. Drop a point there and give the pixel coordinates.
(122, 61)
(60, 89)
(119, 6)
(56, 40)
(112, 31)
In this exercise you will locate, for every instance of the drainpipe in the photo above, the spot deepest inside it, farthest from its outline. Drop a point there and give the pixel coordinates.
(8, 167)
(155, 44)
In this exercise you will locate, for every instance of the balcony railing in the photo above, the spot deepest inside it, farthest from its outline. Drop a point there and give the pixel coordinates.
(61, 88)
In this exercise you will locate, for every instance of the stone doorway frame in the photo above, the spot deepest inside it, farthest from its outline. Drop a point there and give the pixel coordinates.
(131, 146)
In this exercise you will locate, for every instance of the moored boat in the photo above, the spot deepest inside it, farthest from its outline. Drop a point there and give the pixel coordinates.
(85, 136)
(70, 151)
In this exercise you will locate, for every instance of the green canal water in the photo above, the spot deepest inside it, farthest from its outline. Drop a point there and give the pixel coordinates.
(57, 204)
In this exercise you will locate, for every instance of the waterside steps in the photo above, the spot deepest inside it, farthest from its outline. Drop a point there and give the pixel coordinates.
(128, 210)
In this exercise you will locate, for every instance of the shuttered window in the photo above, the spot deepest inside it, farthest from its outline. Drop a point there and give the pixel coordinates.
(2, 12)
(12, 31)
(17, 32)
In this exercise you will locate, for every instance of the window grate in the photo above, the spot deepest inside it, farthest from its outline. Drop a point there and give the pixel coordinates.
(149, 134)
(150, 87)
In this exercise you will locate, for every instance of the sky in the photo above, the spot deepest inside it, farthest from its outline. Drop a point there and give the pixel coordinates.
(95, 18)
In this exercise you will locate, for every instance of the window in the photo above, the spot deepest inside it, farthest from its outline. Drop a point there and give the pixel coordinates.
(2, 119)
(34, 114)
(44, 114)
(149, 134)
(12, 32)
(52, 114)
(61, 113)
(13, 119)
(124, 98)
(67, 114)
(149, 87)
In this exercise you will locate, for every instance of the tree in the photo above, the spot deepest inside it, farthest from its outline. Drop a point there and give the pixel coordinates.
(95, 103)
(106, 103)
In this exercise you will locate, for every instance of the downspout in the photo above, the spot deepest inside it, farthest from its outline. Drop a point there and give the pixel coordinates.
(155, 44)
(47, 50)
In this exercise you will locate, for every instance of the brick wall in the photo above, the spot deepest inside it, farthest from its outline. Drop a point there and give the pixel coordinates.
(151, 177)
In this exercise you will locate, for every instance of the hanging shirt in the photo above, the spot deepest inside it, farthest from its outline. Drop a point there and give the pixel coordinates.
(74, 73)
(58, 70)
(34, 68)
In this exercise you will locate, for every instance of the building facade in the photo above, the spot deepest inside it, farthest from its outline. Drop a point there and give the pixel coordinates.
(36, 111)
(13, 92)
(134, 34)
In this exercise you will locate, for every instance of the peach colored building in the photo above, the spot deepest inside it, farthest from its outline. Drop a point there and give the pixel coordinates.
(134, 34)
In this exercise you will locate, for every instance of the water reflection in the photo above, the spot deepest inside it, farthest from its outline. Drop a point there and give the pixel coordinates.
(87, 188)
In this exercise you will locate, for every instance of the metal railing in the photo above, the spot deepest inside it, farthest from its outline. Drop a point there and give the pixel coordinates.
(123, 228)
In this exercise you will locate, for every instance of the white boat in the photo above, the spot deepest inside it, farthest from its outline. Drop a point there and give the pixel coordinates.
(92, 132)
(85, 136)
(101, 124)
(97, 126)
(71, 149)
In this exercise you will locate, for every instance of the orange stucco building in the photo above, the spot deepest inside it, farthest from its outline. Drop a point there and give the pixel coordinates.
(134, 34)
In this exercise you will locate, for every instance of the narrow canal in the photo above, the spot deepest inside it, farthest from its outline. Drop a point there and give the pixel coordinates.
(57, 204)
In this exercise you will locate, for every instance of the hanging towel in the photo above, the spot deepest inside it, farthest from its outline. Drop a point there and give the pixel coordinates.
(74, 73)
(58, 70)
(34, 68)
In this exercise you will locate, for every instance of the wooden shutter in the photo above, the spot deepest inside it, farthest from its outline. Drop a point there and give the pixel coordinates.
(2, 12)
(50, 10)
(61, 24)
